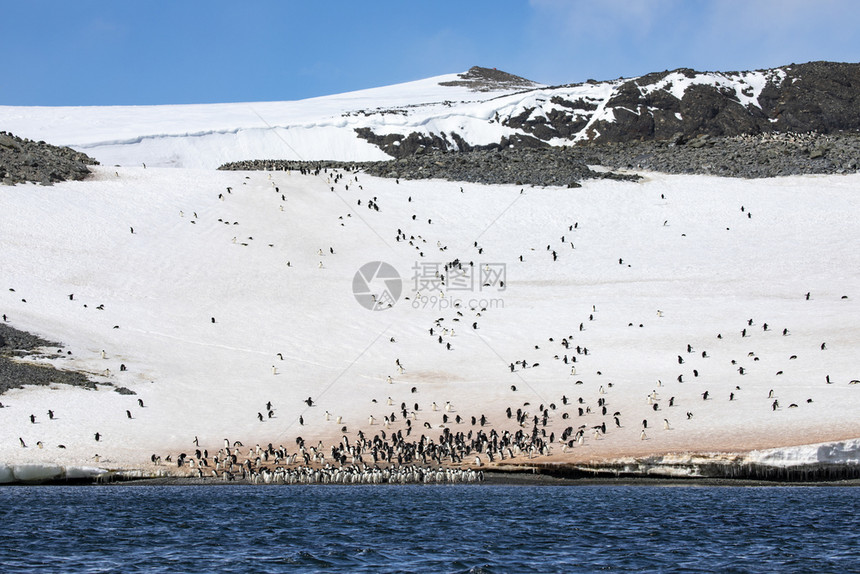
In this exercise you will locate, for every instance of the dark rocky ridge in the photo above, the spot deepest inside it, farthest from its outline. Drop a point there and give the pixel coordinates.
(768, 155)
(399, 146)
(480, 79)
(23, 160)
(14, 374)
(745, 156)
(820, 97)
(541, 167)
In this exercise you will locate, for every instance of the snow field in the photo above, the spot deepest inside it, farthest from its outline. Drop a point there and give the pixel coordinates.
(162, 285)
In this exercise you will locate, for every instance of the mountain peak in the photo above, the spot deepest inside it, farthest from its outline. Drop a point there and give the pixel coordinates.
(480, 79)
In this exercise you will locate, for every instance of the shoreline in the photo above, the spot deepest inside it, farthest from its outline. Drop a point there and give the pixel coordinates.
(491, 478)
(534, 474)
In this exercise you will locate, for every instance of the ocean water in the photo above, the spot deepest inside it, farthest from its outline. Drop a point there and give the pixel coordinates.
(457, 528)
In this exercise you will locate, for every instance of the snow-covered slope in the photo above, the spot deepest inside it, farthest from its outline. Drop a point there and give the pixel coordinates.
(206, 136)
(224, 291)
(469, 109)
(677, 245)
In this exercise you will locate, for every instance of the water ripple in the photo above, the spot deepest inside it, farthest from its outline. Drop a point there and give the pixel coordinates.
(415, 528)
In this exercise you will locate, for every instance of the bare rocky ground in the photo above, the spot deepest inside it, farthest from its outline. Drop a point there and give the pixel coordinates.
(766, 155)
(23, 160)
(20, 365)
(15, 344)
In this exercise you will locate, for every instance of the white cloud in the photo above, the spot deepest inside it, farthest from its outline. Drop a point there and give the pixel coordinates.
(629, 37)
(781, 31)
(608, 17)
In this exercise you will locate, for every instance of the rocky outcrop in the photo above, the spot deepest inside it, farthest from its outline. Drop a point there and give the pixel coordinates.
(822, 97)
(541, 167)
(15, 373)
(480, 79)
(797, 119)
(672, 106)
(765, 155)
(745, 156)
(23, 160)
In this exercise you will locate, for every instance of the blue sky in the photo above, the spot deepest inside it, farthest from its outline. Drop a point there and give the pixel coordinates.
(104, 52)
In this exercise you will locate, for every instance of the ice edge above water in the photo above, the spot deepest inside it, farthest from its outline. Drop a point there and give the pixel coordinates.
(840, 453)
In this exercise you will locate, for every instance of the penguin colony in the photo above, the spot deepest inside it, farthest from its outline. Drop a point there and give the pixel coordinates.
(466, 442)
